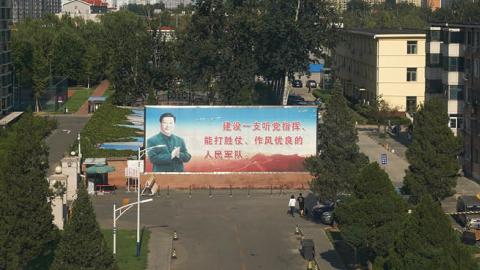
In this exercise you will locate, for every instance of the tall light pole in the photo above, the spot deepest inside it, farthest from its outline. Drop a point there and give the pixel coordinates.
(121, 210)
(139, 156)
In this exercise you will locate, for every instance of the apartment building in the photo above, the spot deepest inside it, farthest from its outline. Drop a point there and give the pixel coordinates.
(444, 73)
(23, 9)
(341, 5)
(453, 72)
(6, 88)
(382, 63)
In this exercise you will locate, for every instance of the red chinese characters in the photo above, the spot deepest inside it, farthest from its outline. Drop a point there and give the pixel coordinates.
(278, 140)
(223, 154)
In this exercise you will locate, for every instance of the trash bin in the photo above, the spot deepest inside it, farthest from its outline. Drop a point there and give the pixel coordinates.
(308, 249)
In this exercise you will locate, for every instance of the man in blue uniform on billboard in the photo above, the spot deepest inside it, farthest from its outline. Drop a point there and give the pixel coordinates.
(171, 152)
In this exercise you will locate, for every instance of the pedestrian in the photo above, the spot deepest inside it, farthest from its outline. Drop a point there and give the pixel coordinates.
(301, 204)
(291, 203)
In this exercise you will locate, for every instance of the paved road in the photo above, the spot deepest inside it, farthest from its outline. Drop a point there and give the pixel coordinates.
(65, 135)
(398, 165)
(224, 232)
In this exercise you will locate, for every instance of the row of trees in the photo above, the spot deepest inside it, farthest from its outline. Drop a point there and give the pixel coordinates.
(394, 233)
(223, 46)
(361, 14)
(49, 47)
(28, 238)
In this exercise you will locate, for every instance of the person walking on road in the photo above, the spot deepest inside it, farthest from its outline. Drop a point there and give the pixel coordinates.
(301, 204)
(291, 203)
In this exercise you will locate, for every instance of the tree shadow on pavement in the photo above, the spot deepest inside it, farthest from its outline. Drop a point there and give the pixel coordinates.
(332, 257)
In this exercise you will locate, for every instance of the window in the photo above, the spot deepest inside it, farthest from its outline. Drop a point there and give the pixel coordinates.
(452, 63)
(434, 59)
(411, 74)
(455, 92)
(411, 104)
(453, 123)
(434, 86)
(411, 47)
(455, 37)
(435, 35)
(456, 121)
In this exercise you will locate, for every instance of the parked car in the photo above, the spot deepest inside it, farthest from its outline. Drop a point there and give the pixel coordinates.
(467, 204)
(294, 100)
(311, 84)
(320, 209)
(297, 84)
(327, 218)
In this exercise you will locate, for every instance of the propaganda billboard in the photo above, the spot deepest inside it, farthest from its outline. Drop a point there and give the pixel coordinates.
(209, 139)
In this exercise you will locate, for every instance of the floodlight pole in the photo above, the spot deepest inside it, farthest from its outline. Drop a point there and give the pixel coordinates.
(139, 156)
(121, 210)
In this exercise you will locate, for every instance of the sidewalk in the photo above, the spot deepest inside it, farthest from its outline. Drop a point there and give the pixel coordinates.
(99, 91)
(325, 253)
(160, 247)
(395, 167)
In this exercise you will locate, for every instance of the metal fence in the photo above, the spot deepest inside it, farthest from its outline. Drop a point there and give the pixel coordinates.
(52, 99)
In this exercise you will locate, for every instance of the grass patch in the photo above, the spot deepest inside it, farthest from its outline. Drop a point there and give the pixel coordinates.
(77, 100)
(102, 127)
(126, 248)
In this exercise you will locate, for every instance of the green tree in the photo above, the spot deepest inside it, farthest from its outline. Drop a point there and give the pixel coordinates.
(371, 219)
(68, 54)
(427, 241)
(126, 42)
(40, 76)
(339, 159)
(238, 66)
(82, 245)
(200, 47)
(433, 154)
(26, 229)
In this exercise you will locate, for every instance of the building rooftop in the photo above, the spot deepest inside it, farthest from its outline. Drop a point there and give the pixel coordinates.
(378, 32)
(452, 24)
(97, 99)
(9, 118)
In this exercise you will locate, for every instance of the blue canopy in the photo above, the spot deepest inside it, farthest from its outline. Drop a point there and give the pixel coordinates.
(315, 68)
(132, 146)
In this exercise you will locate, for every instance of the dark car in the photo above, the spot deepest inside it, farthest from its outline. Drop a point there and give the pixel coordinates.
(294, 100)
(311, 84)
(320, 209)
(297, 84)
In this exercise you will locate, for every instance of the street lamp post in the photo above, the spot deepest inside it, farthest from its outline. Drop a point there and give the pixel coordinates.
(121, 210)
(139, 156)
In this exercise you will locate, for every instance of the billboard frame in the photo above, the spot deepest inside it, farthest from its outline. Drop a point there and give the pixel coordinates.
(222, 106)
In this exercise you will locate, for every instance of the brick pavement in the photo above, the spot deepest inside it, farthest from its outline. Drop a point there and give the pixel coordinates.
(99, 91)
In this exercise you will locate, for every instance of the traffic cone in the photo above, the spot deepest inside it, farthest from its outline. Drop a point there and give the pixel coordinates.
(174, 254)
(175, 235)
(297, 230)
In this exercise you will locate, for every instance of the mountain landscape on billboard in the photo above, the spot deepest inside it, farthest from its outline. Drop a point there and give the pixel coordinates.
(257, 163)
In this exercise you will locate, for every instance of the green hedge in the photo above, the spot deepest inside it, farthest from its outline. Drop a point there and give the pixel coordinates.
(102, 127)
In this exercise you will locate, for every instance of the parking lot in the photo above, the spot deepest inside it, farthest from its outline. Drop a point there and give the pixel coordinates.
(221, 231)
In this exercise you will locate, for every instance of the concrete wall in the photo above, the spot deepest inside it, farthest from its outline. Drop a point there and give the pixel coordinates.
(243, 180)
